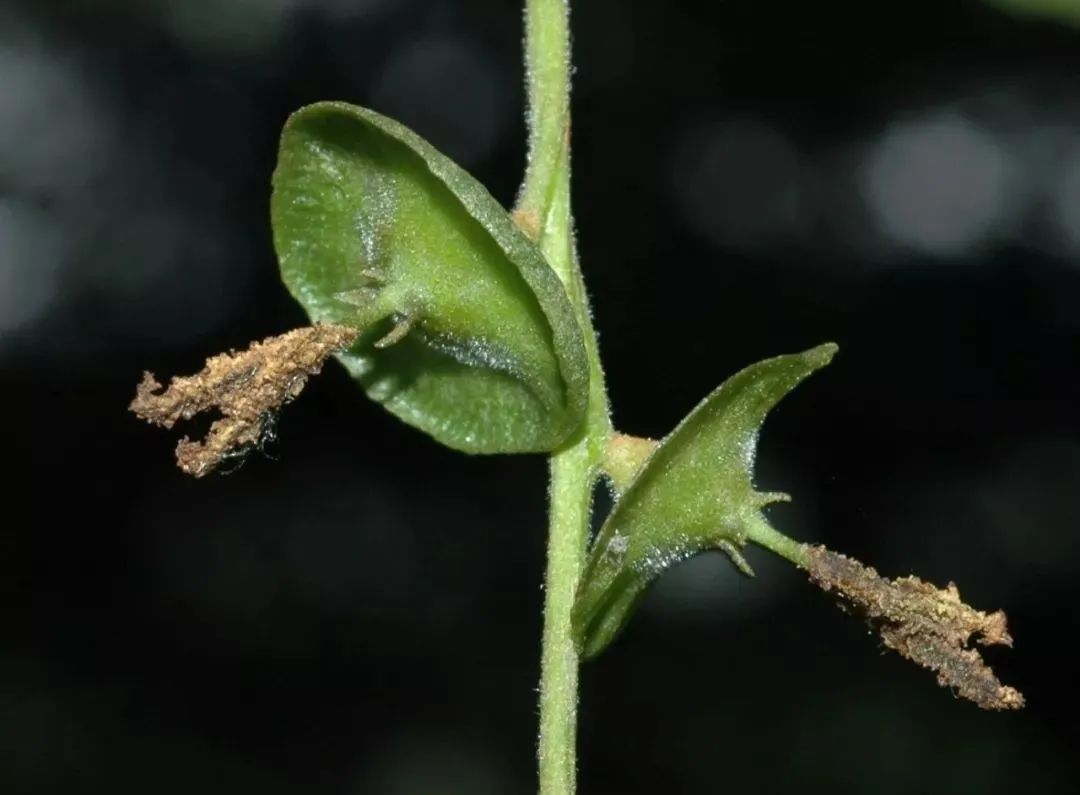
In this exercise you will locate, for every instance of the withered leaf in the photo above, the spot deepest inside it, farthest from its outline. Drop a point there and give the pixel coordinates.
(246, 387)
(929, 626)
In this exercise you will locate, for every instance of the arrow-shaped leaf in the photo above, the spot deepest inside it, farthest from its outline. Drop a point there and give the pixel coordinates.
(694, 492)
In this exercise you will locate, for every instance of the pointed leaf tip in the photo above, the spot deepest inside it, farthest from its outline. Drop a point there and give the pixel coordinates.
(821, 355)
(693, 493)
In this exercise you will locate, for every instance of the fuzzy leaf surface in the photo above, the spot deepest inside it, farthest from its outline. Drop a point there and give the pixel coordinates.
(695, 492)
(467, 332)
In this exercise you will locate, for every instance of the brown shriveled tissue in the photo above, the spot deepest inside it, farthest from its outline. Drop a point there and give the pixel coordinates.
(246, 387)
(927, 625)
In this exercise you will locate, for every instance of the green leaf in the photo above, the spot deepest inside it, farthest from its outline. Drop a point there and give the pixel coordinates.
(468, 333)
(695, 492)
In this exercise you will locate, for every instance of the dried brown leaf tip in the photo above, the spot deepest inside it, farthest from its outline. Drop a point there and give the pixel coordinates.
(247, 388)
(927, 625)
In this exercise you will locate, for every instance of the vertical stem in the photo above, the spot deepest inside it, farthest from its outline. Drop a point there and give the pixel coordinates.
(547, 60)
(571, 476)
(543, 212)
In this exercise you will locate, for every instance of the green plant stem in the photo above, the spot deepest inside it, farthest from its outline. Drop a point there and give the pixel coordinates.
(764, 534)
(547, 57)
(544, 208)
(569, 520)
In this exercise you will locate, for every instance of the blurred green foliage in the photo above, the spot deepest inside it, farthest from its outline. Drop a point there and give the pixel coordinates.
(1067, 11)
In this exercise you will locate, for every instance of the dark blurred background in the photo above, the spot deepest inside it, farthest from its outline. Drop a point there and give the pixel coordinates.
(360, 612)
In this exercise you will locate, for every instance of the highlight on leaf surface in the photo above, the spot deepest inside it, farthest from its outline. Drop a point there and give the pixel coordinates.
(247, 388)
(694, 492)
(468, 334)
